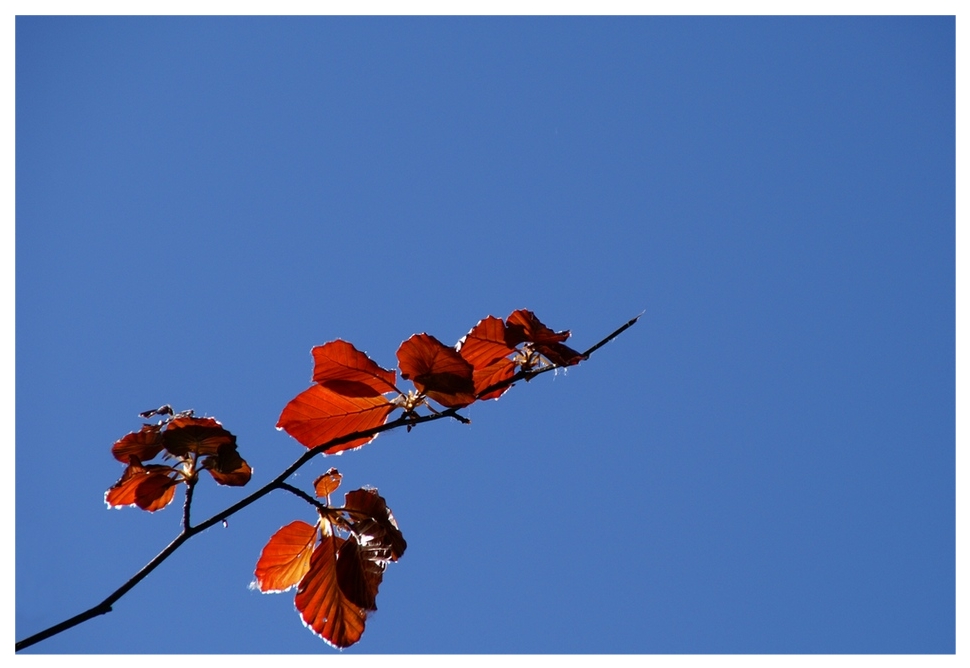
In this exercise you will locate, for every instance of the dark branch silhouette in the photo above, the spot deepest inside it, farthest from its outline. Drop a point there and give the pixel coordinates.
(407, 420)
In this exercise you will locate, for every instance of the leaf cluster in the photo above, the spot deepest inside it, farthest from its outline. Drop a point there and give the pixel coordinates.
(352, 393)
(336, 564)
(191, 444)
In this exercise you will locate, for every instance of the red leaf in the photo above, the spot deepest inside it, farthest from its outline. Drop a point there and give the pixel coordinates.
(319, 415)
(485, 343)
(322, 605)
(327, 483)
(437, 370)
(339, 366)
(368, 503)
(503, 369)
(359, 572)
(286, 558)
(203, 436)
(144, 444)
(228, 468)
(148, 487)
(524, 326)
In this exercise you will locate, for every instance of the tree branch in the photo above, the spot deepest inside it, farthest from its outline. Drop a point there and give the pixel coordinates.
(279, 482)
(303, 495)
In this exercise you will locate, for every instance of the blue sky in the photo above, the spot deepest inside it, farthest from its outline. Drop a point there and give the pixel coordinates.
(765, 463)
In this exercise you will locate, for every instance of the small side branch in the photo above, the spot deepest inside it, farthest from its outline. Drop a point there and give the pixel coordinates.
(303, 495)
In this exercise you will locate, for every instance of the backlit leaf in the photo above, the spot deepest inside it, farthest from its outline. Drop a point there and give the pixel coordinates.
(228, 467)
(437, 370)
(203, 436)
(500, 370)
(359, 572)
(367, 503)
(319, 415)
(339, 366)
(523, 326)
(327, 483)
(485, 343)
(148, 487)
(323, 606)
(286, 558)
(143, 444)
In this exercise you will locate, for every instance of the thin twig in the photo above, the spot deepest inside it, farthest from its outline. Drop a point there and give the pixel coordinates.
(612, 336)
(279, 482)
(303, 495)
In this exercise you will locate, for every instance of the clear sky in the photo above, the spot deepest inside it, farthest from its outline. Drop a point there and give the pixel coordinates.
(763, 464)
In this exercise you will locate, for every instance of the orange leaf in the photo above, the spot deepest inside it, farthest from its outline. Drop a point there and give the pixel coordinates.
(148, 487)
(485, 343)
(319, 415)
(367, 502)
(327, 483)
(322, 605)
(339, 366)
(228, 467)
(144, 444)
(437, 370)
(524, 326)
(286, 558)
(203, 436)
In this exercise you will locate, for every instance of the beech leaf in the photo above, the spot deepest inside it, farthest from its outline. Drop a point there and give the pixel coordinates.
(360, 569)
(319, 415)
(149, 487)
(203, 436)
(437, 370)
(322, 604)
(339, 366)
(286, 558)
(523, 326)
(327, 483)
(144, 444)
(485, 343)
(228, 467)
(368, 503)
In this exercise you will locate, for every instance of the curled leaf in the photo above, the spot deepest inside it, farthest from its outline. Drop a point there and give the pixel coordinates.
(203, 436)
(286, 557)
(144, 444)
(368, 504)
(228, 467)
(161, 410)
(524, 327)
(437, 370)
